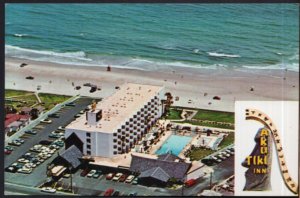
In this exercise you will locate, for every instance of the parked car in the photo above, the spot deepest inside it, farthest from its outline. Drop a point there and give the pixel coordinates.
(123, 178)
(59, 143)
(110, 176)
(48, 190)
(20, 140)
(190, 182)
(221, 157)
(53, 136)
(25, 170)
(117, 177)
(135, 181)
(11, 169)
(7, 152)
(54, 115)
(67, 175)
(70, 104)
(129, 179)
(87, 84)
(81, 112)
(77, 116)
(93, 89)
(109, 192)
(97, 174)
(31, 132)
(91, 173)
(9, 148)
(48, 121)
(132, 194)
(225, 154)
(216, 159)
(29, 77)
(61, 128)
(84, 172)
(116, 193)
(58, 133)
(14, 143)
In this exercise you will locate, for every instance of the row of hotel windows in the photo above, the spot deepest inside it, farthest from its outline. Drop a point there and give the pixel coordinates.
(88, 143)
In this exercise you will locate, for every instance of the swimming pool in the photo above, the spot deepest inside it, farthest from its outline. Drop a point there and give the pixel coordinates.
(175, 144)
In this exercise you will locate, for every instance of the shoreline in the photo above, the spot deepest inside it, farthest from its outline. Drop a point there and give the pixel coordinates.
(187, 83)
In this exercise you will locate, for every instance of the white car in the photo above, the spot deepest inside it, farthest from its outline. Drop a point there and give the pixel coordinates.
(37, 146)
(91, 173)
(225, 154)
(48, 190)
(22, 160)
(117, 177)
(216, 159)
(221, 156)
(46, 121)
(61, 128)
(25, 170)
(30, 165)
(129, 179)
(51, 151)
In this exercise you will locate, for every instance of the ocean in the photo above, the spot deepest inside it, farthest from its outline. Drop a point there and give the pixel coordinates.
(155, 36)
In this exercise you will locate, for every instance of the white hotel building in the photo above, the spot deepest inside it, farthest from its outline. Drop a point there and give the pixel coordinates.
(118, 122)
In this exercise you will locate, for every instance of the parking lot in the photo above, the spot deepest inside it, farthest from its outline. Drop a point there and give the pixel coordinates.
(43, 130)
(89, 185)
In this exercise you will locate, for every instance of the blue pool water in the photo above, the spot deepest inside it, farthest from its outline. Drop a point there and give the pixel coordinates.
(175, 144)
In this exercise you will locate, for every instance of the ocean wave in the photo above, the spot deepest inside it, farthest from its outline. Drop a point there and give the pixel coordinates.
(196, 51)
(19, 35)
(22, 35)
(290, 67)
(15, 51)
(215, 54)
(80, 58)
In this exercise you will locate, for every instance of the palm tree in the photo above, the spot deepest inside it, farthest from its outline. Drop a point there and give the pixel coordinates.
(167, 102)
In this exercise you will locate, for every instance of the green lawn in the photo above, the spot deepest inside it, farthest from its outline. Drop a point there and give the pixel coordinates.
(174, 114)
(199, 153)
(51, 100)
(29, 99)
(10, 92)
(217, 116)
(227, 141)
(20, 101)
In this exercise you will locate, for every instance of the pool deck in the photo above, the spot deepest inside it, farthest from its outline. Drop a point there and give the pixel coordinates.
(162, 140)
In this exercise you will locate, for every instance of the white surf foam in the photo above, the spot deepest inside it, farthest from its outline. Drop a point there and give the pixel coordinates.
(215, 54)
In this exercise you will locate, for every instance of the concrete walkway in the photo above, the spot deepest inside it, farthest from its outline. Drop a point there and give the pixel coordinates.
(37, 97)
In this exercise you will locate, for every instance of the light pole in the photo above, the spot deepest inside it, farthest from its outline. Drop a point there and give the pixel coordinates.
(71, 184)
(210, 171)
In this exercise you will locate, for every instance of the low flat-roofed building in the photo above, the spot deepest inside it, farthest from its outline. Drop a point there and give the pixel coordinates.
(114, 125)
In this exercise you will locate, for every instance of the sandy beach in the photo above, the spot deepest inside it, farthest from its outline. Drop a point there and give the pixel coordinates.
(197, 85)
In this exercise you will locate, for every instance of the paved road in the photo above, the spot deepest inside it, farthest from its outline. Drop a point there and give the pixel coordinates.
(222, 171)
(39, 173)
(15, 189)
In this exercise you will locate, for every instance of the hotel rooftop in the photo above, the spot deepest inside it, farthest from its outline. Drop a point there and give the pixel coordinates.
(118, 107)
